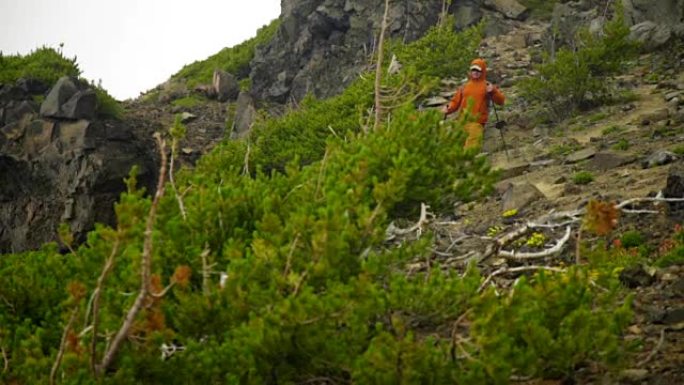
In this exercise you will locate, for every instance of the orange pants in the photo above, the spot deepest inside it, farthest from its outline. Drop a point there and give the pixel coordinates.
(474, 131)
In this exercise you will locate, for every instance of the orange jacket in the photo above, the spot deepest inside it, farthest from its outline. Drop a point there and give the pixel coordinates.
(476, 89)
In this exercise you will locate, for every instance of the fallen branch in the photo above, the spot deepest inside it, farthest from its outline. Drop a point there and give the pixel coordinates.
(541, 254)
(418, 227)
(654, 351)
(505, 270)
(654, 199)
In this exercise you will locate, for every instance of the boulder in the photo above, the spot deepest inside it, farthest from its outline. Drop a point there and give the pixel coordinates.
(245, 113)
(518, 196)
(225, 86)
(59, 94)
(650, 35)
(509, 8)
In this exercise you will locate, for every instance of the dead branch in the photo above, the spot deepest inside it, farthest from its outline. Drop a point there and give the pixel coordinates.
(145, 266)
(179, 198)
(393, 231)
(206, 270)
(5, 366)
(654, 199)
(654, 351)
(500, 242)
(96, 301)
(541, 254)
(505, 270)
(62, 345)
(378, 67)
(245, 169)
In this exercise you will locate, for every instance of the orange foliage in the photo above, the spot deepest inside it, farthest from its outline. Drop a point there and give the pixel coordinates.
(73, 344)
(76, 290)
(155, 320)
(182, 275)
(601, 217)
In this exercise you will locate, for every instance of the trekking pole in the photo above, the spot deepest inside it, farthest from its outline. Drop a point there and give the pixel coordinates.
(500, 124)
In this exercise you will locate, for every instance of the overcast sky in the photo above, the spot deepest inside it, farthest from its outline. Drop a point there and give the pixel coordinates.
(131, 45)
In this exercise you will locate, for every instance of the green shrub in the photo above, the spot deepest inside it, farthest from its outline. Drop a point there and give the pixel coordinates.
(612, 130)
(583, 177)
(575, 79)
(622, 145)
(441, 52)
(188, 101)
(540, 9)
(233, 59)
(44, 64)
(107, 106)
(632, 238)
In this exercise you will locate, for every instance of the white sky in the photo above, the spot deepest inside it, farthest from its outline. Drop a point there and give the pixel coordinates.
(131, 45)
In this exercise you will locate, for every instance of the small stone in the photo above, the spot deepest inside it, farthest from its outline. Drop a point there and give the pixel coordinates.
(633, 375)
(635, 329)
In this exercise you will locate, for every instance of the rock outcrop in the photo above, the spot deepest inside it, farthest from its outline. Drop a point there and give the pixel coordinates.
(61, 167)
(322, 45)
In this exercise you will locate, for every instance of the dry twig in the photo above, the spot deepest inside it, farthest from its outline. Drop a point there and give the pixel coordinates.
(145, 267)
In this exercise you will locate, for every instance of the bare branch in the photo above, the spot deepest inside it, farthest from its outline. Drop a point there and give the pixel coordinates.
(654, 351)
(205, 270)
(654, 199)
(378, 67)
(145, 266)
(418, 227)
(5, 366)
(179, 198)
(548, 252)
(62, 345)
(96, 301)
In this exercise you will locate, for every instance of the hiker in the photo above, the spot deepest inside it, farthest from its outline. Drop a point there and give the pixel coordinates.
(480, 91)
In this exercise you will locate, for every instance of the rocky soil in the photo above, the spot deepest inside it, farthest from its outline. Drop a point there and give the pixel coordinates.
(632, 150)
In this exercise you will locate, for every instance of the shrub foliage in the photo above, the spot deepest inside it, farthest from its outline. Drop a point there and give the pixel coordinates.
(580, 77)
(281, 272)
(231, 59)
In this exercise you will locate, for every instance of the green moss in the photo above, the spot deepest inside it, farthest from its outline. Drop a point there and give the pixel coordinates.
(188, 101)
(583, 177)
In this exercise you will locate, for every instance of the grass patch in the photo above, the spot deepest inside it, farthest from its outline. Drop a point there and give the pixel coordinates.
(583, 177)
(189, 101)
(612, 130)
(621, 145)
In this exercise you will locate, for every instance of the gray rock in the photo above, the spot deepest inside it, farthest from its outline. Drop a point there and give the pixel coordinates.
(245, 113)
(603, 161)
(669, 13)
(509, 8)
(187, 117)
(81, 105)
(650, 34)
(580, 155)
(659, 158)
(674, 187)
(59, 94)
(633, 375)
(518, 196)
(225, 86)
(654, 116)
